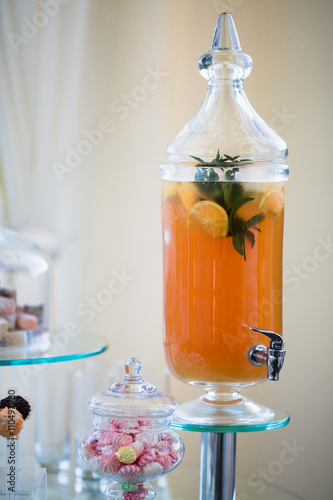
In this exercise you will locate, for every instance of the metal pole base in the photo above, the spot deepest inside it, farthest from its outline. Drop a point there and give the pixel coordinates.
(217, 466)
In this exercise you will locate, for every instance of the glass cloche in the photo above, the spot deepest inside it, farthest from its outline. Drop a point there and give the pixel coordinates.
(25, 294)
(131, 442)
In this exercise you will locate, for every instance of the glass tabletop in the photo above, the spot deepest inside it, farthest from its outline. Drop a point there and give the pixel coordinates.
(64, 347)
(65, 487)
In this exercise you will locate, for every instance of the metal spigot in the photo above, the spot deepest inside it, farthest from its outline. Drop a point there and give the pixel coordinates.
(273, 357)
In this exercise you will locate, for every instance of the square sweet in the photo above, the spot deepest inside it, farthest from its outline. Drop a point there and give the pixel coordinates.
(3, 327)
(18, 338)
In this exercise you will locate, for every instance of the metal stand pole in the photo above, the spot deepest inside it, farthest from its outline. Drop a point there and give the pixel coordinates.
(217, 466)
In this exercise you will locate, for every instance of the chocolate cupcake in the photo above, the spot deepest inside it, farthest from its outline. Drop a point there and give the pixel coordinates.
(11, 422)
(18, 403)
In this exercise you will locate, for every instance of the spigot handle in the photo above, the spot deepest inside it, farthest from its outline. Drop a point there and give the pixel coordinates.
(276, 339)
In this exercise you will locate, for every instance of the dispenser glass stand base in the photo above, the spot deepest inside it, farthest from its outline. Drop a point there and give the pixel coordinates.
(238, 414)
(218, 441)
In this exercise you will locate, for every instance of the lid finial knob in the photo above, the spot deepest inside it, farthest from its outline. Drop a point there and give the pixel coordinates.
(225, 35)
(133, 367)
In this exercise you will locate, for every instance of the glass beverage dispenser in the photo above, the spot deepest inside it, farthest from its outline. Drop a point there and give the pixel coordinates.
(222, 212)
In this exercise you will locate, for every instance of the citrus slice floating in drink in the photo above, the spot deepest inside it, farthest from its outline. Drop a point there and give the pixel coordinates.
(188, 193)
(211, 217)
(168, 189)
(248, 210)
(272, 202)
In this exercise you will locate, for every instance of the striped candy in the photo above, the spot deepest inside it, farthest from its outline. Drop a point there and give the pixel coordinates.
(145, 458)
(110, 463)
(163, 459)
(135, 495)
(121, 439)
(130, 470)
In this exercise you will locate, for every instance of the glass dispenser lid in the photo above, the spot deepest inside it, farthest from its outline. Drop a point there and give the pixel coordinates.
(226, 120)
(132, 397)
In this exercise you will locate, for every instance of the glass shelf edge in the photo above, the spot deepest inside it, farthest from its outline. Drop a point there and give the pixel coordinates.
(83, 345)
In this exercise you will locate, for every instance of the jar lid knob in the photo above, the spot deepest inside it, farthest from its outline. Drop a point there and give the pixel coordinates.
(133, 382)
(225, 35)
(133, 368)
(225, 58)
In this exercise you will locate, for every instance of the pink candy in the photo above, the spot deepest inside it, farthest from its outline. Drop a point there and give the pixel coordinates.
(108, 437)
(7, 306)
(152, 469)
(135, 495)
(149, 439)
(145, 423)
(128, 426)
(168, 438)
(146, 457)
(138, 448)
(91, 452)
(164, 446)
(130, 470)
(120, 440)
(163, 459)
(173, 456)
(110, 463)
(26, 321)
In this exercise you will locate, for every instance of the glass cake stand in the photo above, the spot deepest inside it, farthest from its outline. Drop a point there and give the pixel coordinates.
(63, 347)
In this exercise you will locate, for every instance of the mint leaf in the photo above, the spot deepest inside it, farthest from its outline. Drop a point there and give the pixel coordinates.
(197, 159)
(238, 203)
(241, 229)
(250, 236)
(256, 219)
(238, 242)
(221, 159)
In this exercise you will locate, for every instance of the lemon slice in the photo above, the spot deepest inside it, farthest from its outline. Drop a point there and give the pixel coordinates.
(272, 202)
(168, 189)
(188, 193)
(212, 218)
(248, 210)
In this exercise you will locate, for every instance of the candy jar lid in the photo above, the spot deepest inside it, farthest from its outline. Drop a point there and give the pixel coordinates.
(226, 120)
(132, 397)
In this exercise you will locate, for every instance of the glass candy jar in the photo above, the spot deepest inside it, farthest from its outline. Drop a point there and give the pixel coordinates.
(132, 442)
(25, 295)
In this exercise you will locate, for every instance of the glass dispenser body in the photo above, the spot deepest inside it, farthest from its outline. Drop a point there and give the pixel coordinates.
(222, 213)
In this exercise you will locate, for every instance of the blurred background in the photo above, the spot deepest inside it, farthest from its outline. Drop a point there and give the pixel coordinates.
(91, 93)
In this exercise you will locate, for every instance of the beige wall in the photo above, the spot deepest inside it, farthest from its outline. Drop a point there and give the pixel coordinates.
(116, 216)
